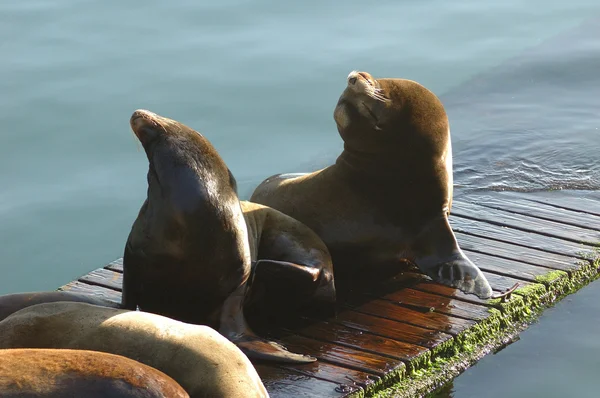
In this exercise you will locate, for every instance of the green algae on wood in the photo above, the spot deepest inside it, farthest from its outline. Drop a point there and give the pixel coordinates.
(494, 332)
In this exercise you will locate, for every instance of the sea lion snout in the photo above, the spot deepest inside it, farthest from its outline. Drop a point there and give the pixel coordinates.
(361, 79)
(144, 124)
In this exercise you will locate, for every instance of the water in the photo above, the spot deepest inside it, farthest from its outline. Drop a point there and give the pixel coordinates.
(555, 358)
(260, 79)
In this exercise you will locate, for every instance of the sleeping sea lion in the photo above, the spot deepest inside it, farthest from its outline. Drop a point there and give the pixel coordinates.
(10, 303)
(52, 373)
(389, 194)
(201, 360)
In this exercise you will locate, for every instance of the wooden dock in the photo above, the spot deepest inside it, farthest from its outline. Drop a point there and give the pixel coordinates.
(406, 336)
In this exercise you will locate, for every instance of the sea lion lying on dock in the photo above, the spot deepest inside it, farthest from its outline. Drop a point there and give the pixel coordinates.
(389, 194)
(189, 255)
(201, 360)
(10, 303)
(52, 373)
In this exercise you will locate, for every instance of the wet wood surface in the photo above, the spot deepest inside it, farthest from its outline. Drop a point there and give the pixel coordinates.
(385, 327)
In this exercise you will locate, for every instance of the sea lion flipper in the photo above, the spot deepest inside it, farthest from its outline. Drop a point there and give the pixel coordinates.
(304, 281)
(461, 273)
(257, 348)
(233, 325)
(438, 255)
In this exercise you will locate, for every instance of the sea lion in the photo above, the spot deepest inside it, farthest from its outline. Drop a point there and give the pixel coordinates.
(389, 194)
(10, 303)
(202, 361)
(51, 373)
(188, 255)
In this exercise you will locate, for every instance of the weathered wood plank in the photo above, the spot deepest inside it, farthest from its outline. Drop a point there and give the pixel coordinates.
(502, 266)
(335, 374)
(501, 283)
(428, 302)
(428, 320)
(359, 340)
(116, 265)
(477, 244)
(589, 203)
(340, 355)
(105, 278)
(94, 290)
(417, 281)
(436, 288)
(285, 383)
(525, 223)
(392, 329)
(519, 205)
(520, 238)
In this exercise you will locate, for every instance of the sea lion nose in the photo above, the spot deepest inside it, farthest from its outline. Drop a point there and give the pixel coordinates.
(141, 125)
(352, 80)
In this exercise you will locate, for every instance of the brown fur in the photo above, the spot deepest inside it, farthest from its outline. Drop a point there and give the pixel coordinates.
(188, 254)
(389, 193)
(52, 373)
(202, 361)
(10, 303)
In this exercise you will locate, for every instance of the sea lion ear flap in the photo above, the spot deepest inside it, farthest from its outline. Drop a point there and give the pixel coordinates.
(232, 181)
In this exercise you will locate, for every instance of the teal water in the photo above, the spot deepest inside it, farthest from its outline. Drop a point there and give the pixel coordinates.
(260, 79)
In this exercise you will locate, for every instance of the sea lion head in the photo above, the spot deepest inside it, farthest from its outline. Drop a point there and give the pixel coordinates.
(191, 192)
(390, 115)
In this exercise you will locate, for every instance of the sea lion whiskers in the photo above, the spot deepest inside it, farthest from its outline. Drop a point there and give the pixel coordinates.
(377, 94)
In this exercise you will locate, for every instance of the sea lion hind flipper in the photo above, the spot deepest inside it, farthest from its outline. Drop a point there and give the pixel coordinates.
(233, 326)
(261, 349)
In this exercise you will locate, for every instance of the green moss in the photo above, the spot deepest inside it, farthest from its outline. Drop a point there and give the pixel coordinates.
(552, 277)
(506, 320)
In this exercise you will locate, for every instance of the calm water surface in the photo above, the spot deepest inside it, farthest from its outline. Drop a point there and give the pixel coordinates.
(260, 79)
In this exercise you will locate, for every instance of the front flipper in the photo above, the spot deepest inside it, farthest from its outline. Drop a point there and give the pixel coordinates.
(233, 326)
(299, 282)
(437, 254)
(457, 271)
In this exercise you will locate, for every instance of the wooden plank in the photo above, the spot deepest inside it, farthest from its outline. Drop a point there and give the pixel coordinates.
(428, 320)
(526, 223)
(419, 281)
(589, 203)
(519, 205)
(476, 244)
(502, 266)
(335, 374)
(359, 340)
(339, 355)
(436, 288)
(428, 302)
(285, 383)
(97, 291)
(392, 329)
(520, 238)
(501, 283)
(116, 265)
(105, 278)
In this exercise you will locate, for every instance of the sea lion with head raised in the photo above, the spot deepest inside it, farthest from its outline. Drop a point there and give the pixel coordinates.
(189, 256)
(53, 373)
(10, 303)
(388, 196)
(201, 360)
